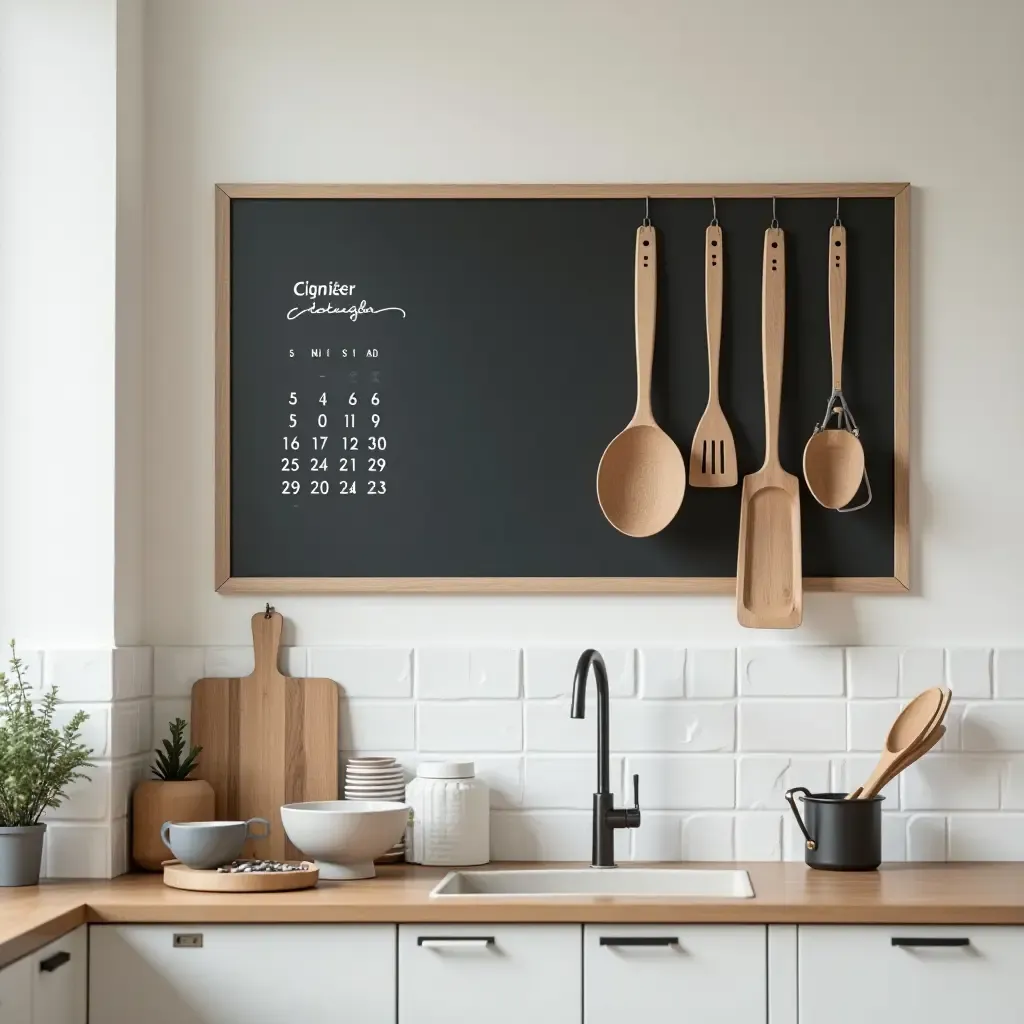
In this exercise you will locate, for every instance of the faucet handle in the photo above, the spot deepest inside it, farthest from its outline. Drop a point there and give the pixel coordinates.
(636, 792)
(633, 813)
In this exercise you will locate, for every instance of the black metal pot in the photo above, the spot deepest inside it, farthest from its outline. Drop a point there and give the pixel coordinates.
(840, 834)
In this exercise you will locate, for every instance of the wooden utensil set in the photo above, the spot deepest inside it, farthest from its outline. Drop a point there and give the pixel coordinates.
(641, 478)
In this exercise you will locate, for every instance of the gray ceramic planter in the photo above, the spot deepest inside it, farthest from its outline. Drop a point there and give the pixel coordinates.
(21, 854)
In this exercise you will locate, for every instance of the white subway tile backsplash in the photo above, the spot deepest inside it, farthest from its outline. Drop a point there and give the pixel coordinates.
(662, 672)
(682, 782)
(175, 669)
(132, 672)
(970, 673)
(986, 836)
(894, 838)
(993, 726)
(920, 668)
(548, 727)
(95, 732)
(229, 662)
(504, 778)
(446, 673)
(869, 721)
(854, 770)
(549, 671)
(484, 726)
(1009, 673)
(547, 835)
(686, 726)
(951, 782)
(710, 674)
(295, 662)
(80, 676)
(568, 781)
(780, 726)
(758, 836)
(926, 837)
(88, 799)
(708, 837)
(1012, 786)
(385, 725)
(373, 672)
(763, 779)
(791, 672)
(659, 838)
(85, 850)
(872, 672)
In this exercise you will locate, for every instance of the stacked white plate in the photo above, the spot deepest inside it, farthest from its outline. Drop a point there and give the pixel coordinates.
(377, 778)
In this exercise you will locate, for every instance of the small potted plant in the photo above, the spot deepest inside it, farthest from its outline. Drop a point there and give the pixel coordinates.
(38, 762)
(171, 796)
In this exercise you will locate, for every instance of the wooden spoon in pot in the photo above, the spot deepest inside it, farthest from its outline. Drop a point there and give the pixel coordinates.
(912, 725)
(641, 478)
(834, 459)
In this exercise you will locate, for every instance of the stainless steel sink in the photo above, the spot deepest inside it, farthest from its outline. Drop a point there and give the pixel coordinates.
(676, 883)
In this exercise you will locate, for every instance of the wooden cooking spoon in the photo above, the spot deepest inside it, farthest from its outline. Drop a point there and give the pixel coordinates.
(912, 725)
(642, 477)
(834, 458)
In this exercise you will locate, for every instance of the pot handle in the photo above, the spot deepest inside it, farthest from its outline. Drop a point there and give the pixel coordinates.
(811, 844)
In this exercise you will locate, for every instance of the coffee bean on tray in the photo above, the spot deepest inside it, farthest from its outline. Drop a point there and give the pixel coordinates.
(258, 866)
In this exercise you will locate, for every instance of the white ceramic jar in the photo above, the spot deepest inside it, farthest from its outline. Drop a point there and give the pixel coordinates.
(450, 822)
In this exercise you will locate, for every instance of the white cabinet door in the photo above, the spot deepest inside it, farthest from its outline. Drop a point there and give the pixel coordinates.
(241, 974)
(907, 973)
(16, 992)
(59, 978)
(498, 974)
(700, 974)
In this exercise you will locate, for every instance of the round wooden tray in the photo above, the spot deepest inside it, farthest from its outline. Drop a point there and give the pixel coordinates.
(178, 876)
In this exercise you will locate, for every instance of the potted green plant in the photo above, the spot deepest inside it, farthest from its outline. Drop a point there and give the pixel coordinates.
(38, 762)
(170, 796)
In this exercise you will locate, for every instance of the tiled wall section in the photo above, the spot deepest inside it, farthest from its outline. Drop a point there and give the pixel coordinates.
(87, 836)
(717, 736)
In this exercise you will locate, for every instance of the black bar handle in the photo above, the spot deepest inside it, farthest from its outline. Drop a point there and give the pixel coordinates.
(638, 940)
(51, 963)
(929, 942)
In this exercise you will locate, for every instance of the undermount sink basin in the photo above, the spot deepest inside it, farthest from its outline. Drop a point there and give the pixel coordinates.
(624, 882)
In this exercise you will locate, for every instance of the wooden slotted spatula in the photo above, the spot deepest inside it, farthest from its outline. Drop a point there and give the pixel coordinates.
(713, 453)
(769, 581)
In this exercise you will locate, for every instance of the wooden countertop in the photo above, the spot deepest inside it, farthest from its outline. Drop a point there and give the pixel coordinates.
(784, 893)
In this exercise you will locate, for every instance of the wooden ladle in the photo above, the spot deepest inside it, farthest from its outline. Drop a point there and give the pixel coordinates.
(912, 725)
(834, 458)
(641, 478)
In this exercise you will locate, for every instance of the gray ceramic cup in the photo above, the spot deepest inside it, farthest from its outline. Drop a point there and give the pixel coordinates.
(209, 844)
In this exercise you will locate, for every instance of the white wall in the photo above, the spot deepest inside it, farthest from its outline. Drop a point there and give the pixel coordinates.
(57, 281)
(577, 90)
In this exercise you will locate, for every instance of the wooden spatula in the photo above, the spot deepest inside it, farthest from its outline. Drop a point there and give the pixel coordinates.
(769, 583)
(713, 453)
(267, 740)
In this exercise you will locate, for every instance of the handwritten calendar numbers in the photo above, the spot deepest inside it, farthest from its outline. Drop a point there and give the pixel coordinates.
(323, 398)
(346, 486)
(289, 486)
(378, 443)
(317, 465)
(376, 487)
(352, 400)
(350, 419)
(319, 443)
(289, 465)
(293, 420)
(350, 444)
(320, 487)
(375, 400)
(293, 399)
(291, 443)
(375, 465)
(321, 420)
(346, 464)
(375, 420)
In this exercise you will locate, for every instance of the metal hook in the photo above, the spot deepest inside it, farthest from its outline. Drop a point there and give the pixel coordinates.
(837, 223)
(714, 213)
(775, 220)
(646, 222)
(269, 611)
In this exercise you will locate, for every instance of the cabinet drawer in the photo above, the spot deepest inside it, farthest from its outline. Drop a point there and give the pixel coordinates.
(59, 973)
(241, 974)
(16, 992)
(668, 972)
(947, 975)
(501, 974)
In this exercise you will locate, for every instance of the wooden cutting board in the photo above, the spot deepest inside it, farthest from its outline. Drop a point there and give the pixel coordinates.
(267, 740)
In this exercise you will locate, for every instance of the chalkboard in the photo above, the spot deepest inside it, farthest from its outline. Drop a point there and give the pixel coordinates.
(415, 389)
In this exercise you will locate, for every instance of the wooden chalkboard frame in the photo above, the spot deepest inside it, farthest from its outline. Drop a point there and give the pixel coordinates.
(225, 583)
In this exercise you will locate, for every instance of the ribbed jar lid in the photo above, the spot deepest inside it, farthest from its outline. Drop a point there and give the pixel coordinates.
(446, 770)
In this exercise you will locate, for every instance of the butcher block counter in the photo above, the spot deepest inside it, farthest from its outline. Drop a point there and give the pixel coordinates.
(784, 893)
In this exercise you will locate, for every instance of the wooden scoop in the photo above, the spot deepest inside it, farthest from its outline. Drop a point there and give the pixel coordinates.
(834, 458)
(769, 583)
(912, 725)
(641, 477)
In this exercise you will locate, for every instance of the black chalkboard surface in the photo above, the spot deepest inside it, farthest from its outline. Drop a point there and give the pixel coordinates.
(417, 391)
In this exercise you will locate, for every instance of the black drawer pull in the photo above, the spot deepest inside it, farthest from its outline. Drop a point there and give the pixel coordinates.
(638, 940)
(51, 963)
(930, 942)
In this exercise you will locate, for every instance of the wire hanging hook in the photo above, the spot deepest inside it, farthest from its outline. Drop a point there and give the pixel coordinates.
(714, 213)
(775, 220)
(837, 223)
(269, 611)
(646, 222)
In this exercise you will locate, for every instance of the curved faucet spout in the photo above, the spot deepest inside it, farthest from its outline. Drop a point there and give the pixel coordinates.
(591, 658)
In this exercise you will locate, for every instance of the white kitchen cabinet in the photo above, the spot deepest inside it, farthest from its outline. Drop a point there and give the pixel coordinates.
(900, 974)
(16, 992)
(501, 974)
(241, 974)
(59, 979)
(693, 973)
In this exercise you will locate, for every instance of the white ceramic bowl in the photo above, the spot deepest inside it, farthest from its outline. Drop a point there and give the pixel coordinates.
(344, 837)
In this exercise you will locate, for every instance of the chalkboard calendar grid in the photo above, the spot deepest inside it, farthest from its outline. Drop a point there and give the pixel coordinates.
(414, 384)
